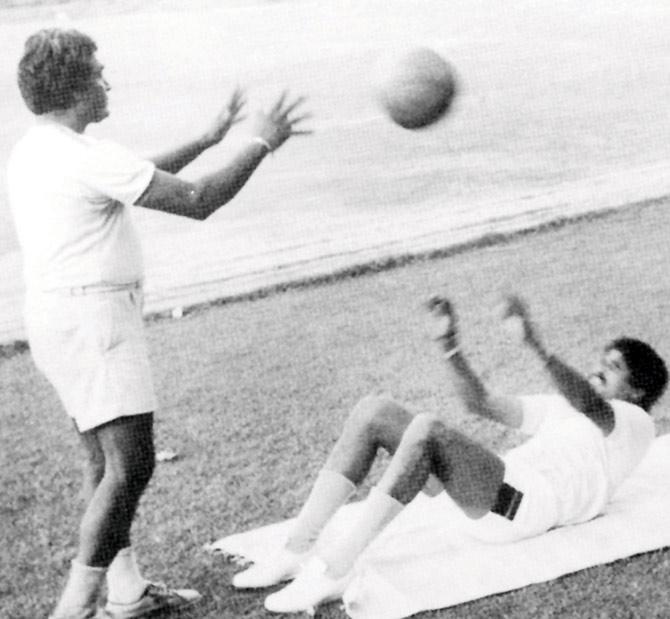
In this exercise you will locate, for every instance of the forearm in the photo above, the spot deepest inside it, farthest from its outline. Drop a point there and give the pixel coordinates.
(199, 199)
(217, 189)
(576, 389)
(175, 160)
(469, 387)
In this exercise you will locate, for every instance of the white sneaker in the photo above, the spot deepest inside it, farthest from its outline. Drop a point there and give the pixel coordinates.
(310, 588)
(156, 597)
(282, 566)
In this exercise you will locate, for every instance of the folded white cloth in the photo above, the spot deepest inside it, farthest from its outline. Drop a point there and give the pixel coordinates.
(420, 562)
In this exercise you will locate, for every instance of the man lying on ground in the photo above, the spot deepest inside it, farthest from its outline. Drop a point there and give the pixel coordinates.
(584, 442)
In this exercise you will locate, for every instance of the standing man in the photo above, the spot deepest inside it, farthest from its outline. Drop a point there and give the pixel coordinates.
(71, 196)
(584, 441)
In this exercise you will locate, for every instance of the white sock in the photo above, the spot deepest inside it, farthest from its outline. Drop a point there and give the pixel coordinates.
(376, 512)
(124, 581)
(330, 491)
(81, 589)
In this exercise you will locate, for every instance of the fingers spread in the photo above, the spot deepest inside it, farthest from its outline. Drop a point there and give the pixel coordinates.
(297, 119)
(295, 104)
(276, 108)
(237, 99)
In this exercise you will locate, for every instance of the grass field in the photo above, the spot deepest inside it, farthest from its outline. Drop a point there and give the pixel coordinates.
(254, 393)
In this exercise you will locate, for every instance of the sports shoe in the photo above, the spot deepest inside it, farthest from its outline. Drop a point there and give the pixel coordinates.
(282, 566)
(310, 588)
(156, 597)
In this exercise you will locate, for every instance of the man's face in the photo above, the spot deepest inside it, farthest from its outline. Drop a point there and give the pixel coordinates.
(611, 378)
(93, 101)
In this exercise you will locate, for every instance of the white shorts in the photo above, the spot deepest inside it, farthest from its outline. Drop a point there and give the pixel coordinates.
(92, 349)
(537, 513)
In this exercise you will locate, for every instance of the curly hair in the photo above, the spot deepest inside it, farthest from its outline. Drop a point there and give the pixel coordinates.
(648, 371)
(55, 65)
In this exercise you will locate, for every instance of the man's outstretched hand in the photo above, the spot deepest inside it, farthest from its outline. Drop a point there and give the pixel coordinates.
(228, 116)
(281, 122)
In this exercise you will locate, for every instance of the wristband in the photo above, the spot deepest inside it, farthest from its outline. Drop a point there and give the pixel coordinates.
(451, 352)
(262, 141)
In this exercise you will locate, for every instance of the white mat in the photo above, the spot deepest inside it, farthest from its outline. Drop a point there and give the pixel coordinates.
(419, 563)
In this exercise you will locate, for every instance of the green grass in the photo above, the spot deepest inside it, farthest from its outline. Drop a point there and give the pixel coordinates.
(254, 394)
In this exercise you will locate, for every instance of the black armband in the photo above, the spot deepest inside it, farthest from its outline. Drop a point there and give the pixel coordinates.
(507, 502)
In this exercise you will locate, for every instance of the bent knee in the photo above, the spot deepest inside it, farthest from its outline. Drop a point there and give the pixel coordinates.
(376, 412)
(425, 427)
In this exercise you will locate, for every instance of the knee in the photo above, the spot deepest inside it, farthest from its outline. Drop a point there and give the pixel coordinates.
(424, 428)
(132, 473)
(374, 413)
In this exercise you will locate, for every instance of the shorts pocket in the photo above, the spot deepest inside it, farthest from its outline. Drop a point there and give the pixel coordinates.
(104, 320)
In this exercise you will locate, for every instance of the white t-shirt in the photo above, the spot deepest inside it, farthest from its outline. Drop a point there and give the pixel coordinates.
(69, 194)
(583, 465)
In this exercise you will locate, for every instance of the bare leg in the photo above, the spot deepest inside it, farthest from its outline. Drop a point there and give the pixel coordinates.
(124, 579)
(471, 474)
(129, 460)
(117, 469)
(127, 444)
(94, 465)
(374, 422)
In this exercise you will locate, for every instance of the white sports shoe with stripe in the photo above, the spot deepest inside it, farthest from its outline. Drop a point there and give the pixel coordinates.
(311, 587)
(157, 596)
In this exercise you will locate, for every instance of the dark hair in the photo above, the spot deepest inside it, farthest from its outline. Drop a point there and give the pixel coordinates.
(648, 371)
(55, 65)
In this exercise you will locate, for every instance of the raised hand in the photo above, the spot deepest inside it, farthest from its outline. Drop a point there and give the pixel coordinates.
(445, 324)
(280, 123)
(516, 319)
(227, 117)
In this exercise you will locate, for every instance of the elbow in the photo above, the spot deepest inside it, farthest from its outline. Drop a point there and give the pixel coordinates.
(196, 202)
(202, 203)
(198, 216)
